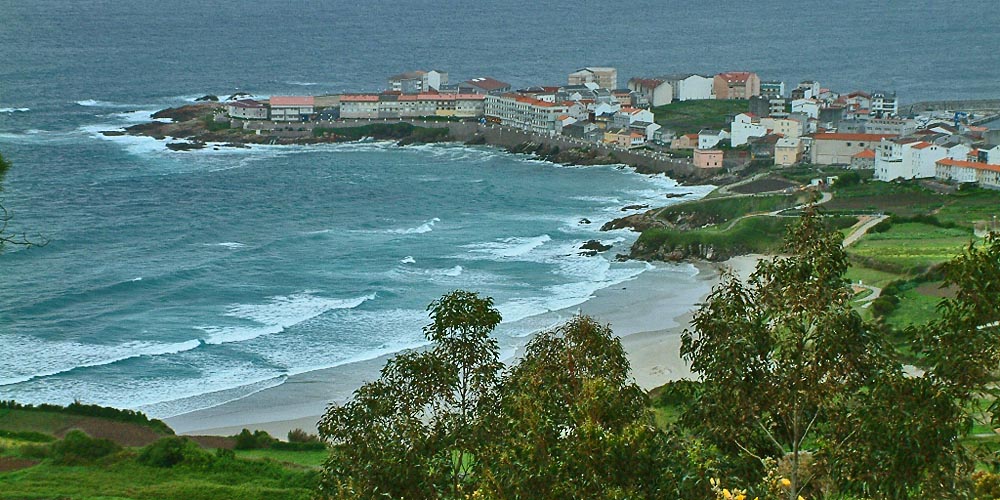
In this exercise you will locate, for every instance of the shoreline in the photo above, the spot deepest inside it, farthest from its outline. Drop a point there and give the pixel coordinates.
(646, 313)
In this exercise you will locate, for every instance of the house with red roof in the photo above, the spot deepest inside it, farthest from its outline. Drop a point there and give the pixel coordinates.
(291, 108)
(736, 85)
(652, 91)
(247, 109)
(837, 149)
(865, 160)
(962, 171)
(483, 85)
(525, 113)
(686, 141)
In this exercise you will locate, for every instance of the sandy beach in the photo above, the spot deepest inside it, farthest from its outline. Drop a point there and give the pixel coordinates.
(647, 313)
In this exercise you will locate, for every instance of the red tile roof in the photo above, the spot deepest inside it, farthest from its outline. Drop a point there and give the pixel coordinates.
(735, 76)
(852, 137)
(969, 164)
(284, 100)
(359, 98)
(246, 103)
(866, 154)
(487, 83)
(922, 145)
(648, 82)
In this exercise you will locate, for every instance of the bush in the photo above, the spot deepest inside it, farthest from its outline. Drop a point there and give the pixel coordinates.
(171, 451)
(34, 437)
(257, 440)
(77, 448)
(85, 410)
(301, 436)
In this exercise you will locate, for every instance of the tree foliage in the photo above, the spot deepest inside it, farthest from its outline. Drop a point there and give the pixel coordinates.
(415, 431)
(574, 425)
(776, 353)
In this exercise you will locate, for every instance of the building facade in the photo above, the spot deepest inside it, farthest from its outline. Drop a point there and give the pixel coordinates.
(653, 91)
(525, 113)
(837, 149)
(604, 77)
(736, 85)
(247, 109)
(291, 108)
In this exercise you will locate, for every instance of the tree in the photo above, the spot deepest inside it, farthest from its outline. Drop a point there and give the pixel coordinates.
(417, 430)
(777, 354)
(573, 424)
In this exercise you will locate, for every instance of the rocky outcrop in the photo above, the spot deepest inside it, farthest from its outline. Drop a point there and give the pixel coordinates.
(573, 156)
(593, 247)
(635, 222)
(208, 98)
(678, 253)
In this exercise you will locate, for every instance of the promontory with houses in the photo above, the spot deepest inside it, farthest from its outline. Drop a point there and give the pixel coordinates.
(687, 124)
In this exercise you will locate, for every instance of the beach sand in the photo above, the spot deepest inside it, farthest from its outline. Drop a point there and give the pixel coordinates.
(647, 313)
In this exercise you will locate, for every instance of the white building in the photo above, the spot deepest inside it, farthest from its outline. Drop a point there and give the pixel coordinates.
(708, 139)
(604, 77)
(359, 106)
(526, 113)
(808, 107)
(745, 126)
(247, 109)
(884, 104)
(291, 108)
(689, 86)
(910, 158)
(654, 91)
(962, 171)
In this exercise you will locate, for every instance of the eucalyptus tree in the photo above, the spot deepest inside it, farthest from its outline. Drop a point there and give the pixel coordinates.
(778, 355)
(417, 430)
(573, 424)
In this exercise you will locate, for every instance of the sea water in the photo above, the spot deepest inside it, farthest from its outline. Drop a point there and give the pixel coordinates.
(171, 275)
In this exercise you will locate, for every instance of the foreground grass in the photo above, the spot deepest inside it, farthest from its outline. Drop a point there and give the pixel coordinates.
(127, 479)
(303, 458)
(912, 247)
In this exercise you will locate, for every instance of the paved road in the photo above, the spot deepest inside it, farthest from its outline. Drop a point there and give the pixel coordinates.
(860, 230)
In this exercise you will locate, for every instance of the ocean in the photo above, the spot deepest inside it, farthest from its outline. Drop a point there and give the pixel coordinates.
(172, 281)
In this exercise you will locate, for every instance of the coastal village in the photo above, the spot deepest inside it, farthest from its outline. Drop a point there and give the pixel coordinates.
(863, 130)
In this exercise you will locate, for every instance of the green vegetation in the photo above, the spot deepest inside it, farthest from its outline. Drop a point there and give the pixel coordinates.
(28, 414)
(688, 117)
(213, 126)
(699, 213)
(748, 235)
(911, 247)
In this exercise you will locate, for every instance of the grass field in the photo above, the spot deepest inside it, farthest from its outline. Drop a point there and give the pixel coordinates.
(304, 458)
(899, 199)
(688, 117)
(909, 248)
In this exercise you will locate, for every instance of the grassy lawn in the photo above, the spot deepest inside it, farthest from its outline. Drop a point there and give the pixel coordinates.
(304, 458)
(968, 207)
(869, 276)
(915, 308)
(911, 247)
(905, 199)
(719, 210)
(688, 117)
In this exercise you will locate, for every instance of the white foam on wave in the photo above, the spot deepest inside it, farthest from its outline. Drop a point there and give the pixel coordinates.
(276, 315)
(408, 260)
(303, 84)
(508, 248)
(14, 110)
(94, 103)
(232, 245)
(25, 358)
(426, 227)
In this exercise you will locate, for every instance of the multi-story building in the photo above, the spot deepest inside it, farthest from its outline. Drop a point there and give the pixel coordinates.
(412, 82)
(964, 171)
(247, 109)
(772, 89)
(652, 91)
(837, 149)
(359, 106)
(736, 85)
(526, 113)
(291, 108)
(483, 85)
(745, 126)
(912, 158)
(392, 105)
(708, 158)
(689, 86)
(884, 104)
(605, 78)
(791, 126)
(787, 151)
(808, 89)
(708, 139)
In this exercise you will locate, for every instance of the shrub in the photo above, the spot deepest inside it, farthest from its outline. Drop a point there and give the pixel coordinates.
(77, 448)
(171, 451)
(301, 436)
(257, 440)
(34, 437)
